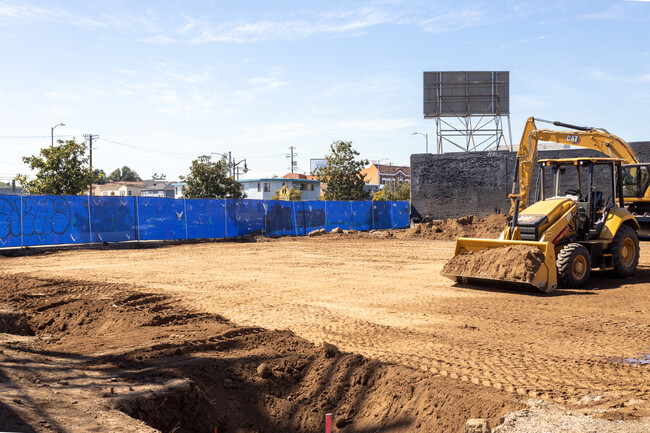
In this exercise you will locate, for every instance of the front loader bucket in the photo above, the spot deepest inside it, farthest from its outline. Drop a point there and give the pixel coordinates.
(544, 279)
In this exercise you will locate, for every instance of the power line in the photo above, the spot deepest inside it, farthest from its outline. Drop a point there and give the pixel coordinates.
(33, 136)
(175, 155)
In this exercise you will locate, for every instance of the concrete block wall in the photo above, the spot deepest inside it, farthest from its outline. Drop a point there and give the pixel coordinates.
(456, 184)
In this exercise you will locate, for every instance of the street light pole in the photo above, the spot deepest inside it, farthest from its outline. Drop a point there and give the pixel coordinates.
(60, 124)
(230, 170)
(426, 136)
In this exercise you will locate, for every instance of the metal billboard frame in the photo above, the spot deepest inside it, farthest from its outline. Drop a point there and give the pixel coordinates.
(468, 107)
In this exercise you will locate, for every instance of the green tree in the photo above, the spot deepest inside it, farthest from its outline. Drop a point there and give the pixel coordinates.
(208, 179)
(100, 176)
(61, 169)
(287, 194)
(394, 191)
(342, 173)
(124, 174)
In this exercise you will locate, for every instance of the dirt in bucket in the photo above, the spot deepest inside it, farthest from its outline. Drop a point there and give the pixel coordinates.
(509, 263)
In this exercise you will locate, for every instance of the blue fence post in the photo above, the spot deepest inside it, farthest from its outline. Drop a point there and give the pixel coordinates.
(351, 217)
(137, 219)
(225, 215)
(90, 223)
(185, 215)
(22, 231)
(326, 215)
(392, 220)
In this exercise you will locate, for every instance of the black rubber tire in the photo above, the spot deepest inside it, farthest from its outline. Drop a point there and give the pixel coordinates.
(625, 241)
(573, 266)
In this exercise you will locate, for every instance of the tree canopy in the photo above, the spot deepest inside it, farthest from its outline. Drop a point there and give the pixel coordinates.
(124, 174)
(342, 173)
(210, 179)
(393, 191)
(61, 170)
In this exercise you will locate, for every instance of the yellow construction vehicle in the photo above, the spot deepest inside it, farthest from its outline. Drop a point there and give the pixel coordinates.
(582, 225)
(635, 174)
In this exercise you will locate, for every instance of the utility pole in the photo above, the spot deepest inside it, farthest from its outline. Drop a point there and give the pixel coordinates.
(292, 155)
(90, 137)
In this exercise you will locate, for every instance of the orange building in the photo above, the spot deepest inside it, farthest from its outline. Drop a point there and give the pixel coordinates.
(378, 174)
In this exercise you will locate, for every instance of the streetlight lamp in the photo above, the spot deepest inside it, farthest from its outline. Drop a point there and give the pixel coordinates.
(426, 136)
(236, 165)
(229, 156)
(60, 124)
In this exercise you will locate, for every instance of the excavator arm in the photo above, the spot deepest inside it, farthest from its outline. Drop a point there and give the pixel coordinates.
(588, 138)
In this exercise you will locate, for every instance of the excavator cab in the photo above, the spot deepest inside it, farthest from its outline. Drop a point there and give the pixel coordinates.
(636, 180)
(636, 191)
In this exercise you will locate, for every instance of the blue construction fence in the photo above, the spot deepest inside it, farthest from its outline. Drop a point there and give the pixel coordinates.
(53, 220)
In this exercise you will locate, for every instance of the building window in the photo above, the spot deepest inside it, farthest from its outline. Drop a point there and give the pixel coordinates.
(259, 187)
(267, 187)
(310, 187)
(112, 192)
(130, 192)
(121, 193)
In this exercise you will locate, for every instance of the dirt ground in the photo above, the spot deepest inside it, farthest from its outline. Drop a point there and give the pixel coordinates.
(152, 333)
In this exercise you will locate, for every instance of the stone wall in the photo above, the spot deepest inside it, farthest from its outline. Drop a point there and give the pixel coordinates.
(452, 185)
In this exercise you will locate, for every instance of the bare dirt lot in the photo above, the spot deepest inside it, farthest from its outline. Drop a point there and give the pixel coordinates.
(378, 296)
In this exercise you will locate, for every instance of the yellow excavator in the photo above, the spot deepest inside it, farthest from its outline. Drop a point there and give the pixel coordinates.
(635, 174)
(578, 224)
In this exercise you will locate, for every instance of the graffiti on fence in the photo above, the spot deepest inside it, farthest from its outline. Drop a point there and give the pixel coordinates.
(311, 217)
(279, 218)
(40, 216)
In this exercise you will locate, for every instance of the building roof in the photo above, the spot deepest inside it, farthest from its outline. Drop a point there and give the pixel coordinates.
(157, 185)
(123, 183)
(393, 169)
(300, 176)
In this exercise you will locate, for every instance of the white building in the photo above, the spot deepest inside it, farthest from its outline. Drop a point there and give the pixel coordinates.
(264, 189)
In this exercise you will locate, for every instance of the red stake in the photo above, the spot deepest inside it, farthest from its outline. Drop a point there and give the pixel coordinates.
(328, 423)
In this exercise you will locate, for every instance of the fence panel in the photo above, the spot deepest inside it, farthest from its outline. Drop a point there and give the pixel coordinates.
(244, 217)
(161, 218)
(51, 220)
(401, 214)
(361, 215)
(113, 219)
(312, 215)
(280, 218)
(381, 215)
(10, 220)
(206, 218)
(338, 214)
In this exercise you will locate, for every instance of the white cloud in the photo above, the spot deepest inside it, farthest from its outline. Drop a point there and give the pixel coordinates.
(455, 20)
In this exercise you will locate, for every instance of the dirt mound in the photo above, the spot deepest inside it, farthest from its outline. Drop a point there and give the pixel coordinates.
(111, 350)
(509, 263)
(468, 226)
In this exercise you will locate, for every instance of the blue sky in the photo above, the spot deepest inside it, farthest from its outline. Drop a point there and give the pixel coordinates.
(161, 82)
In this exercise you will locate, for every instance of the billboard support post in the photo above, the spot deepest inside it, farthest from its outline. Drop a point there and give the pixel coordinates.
(468, 107)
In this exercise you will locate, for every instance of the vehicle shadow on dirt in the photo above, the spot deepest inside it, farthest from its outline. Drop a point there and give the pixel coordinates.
(597, 282)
